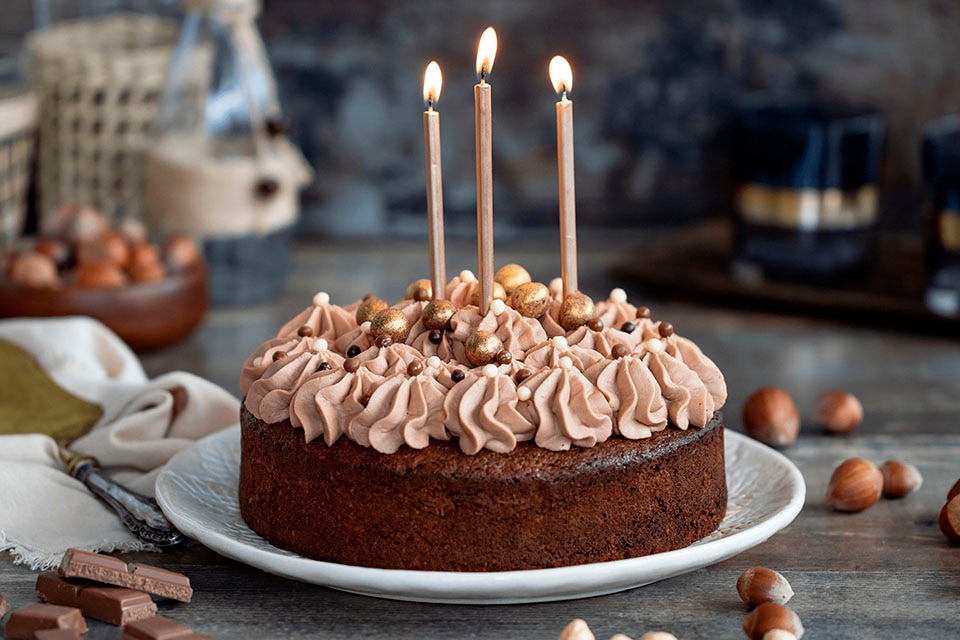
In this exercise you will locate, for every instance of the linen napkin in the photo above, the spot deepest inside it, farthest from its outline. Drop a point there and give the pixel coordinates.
(43, 511)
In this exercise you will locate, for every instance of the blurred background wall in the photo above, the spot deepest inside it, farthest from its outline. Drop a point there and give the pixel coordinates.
(656, 84)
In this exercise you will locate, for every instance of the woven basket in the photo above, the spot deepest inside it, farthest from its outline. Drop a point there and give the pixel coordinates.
(98, 83)
(18, 114)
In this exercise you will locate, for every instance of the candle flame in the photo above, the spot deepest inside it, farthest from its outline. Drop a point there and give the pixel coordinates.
(486, 52)
(432, 83)
(561, 75)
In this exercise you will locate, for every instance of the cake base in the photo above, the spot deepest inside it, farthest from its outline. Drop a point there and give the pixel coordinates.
(437, 509)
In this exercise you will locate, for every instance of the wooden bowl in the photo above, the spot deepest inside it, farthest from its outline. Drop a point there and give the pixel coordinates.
(146, 315)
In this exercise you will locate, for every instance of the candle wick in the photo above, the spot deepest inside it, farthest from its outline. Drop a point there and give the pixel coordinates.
(483, 75)
(430, 104)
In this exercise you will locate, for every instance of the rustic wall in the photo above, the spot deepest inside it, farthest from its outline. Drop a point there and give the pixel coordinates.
(656, 83)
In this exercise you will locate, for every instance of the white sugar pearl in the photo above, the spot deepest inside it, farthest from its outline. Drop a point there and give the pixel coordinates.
(257, 361)
(365, 327)
(524, 393)
(655, 345)
(319, 345)
(559, 342)
(565, 362)
(433, 362)
(556, 285)
(498, 306)
(490, 371)
(618, 295)
(467, 276)
(321, 298)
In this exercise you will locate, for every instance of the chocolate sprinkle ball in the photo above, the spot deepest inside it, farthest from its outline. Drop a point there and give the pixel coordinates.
(619, 351)
(523, 374)
(324, 366)
(371, 306)
(305, 331)
(352, 352)
(595, 324)
(437, 314)
(436, 337)
(267, 187)
(350, 365)
(279, 355)
(458, 375)
(504, 357)
(383, 341)
(666, 329)
(421, 294)
(643, 312)
(415, 368)
(628, 327)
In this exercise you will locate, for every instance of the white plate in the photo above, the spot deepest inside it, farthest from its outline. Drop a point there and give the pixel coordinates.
(198, 492)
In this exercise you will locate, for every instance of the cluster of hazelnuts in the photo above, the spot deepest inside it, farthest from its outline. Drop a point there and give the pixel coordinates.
(78, 247)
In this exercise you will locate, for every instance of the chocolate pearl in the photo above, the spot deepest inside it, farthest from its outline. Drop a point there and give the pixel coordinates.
(267, 187)
(365, 399)
(305, 331)
(504, 357)
(415, 368)
(353, 351)
(643, 312)
(619, 351)
(383, 341)
(279, 355)
(628, 327)
(324, 366)
(350, 365)
(421, 294)
(595, 324)
(458, 375)
(369, 296)
(523, 374)
(276, 127)
(435, 337)
(666, 329)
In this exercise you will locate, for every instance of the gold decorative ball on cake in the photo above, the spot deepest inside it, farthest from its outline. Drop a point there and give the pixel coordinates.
(575, 311)
(422, 283)
(482, 348)
(437, 314)
(512, 276)
(390, 322)
(370, 307)
(499, 293)
(531, 299)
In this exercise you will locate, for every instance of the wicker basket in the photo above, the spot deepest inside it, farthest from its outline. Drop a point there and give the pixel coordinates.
(98, 83)
(18, 114)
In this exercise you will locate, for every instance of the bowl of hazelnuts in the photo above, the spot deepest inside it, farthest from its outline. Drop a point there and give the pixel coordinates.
(150, 294)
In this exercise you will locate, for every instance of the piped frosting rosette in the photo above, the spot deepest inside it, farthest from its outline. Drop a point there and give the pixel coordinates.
(517, 333)
(481, 410)
(325, 320)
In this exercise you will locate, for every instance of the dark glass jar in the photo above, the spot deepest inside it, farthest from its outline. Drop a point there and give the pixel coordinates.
(806, 200)
(941, 167)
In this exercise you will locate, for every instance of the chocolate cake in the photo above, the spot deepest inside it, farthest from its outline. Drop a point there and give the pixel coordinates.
(427, 436)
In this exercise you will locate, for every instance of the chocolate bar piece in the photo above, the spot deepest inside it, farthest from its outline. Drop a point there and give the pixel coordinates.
(142, 577)
(113, 605)
(24, 623)
(57, 634)
(159, 628)
(4, 607)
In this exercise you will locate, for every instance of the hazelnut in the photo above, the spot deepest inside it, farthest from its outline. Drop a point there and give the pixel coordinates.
(99, 273)
(779, 634)
(899, 479)
(839, 412)
(770, 416)
(109, 245)
(855, 485)
(143, 254)
(576, 630)
(759, 584)
(180, 252)
(57, 250)
(33, 269)
(950, 519)
(86, 224)
(954, 491)
(620, 636)
(657, 635)
(769, 616)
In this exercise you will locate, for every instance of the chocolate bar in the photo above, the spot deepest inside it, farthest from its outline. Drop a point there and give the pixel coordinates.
(4, 607)
(113, 605)
(57, 634)
(24, 623)
(142, 577)
(159, 628)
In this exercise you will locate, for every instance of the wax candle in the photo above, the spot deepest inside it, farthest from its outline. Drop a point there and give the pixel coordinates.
(486, 52)
(562, 77)
(432, 83)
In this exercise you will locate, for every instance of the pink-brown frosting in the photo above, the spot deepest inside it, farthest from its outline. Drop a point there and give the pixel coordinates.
(577, 395)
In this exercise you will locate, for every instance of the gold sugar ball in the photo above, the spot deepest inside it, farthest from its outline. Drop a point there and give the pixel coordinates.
(499, 293)
(531, 299)
(390, 322)
(482, 348)
(422, 283)
(437, 314)
(575, 311)
(370, 307)
(512, 276)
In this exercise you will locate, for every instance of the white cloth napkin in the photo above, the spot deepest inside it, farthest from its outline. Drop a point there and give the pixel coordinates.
(43, 511)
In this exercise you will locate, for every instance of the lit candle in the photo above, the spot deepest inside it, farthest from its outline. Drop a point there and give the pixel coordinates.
(562, 77)
(486, 52)
(432, 83)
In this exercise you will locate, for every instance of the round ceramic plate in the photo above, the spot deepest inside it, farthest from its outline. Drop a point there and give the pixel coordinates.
(198, 492)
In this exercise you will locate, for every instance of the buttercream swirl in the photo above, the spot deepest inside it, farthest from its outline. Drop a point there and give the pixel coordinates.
(325, 320)
(633, 394)
(567, 409)
(482, 412)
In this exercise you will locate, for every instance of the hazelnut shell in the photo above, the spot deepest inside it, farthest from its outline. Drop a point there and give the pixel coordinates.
(950, 519)
(760, 584)
(855, 485)
(770, 416)
(899, 479)
(769, 616)
(839, 412)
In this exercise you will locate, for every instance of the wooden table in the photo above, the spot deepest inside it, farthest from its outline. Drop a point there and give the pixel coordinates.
(883, 573)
